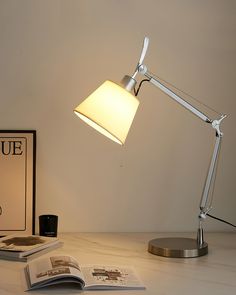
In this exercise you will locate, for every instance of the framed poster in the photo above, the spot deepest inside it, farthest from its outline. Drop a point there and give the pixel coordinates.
(17, 181)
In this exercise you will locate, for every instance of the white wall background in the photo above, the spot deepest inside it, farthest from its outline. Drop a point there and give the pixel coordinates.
(55, 53)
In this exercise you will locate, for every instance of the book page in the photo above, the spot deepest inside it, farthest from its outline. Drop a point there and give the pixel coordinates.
(53, 268)
(104, 277)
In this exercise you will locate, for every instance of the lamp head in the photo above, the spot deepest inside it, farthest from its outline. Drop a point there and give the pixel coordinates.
(111, 108)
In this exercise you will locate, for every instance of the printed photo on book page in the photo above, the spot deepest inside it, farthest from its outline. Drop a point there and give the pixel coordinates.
(52, 268)
(96, 276)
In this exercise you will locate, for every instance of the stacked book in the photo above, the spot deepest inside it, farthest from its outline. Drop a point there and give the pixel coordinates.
(26, 247)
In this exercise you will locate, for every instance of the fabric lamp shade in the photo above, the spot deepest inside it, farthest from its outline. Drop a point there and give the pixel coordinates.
(110, 109)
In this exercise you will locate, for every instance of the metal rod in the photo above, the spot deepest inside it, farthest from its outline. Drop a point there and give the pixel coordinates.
(177, 98)
(212, 169)
(200, 235)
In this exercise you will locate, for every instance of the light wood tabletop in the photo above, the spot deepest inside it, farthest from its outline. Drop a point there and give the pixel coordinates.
(214, 273)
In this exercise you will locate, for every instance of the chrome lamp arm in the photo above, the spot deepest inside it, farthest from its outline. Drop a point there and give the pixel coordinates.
(170, 93)
(205, 203)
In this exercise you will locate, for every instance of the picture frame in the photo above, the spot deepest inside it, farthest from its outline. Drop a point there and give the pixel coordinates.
(17, 181)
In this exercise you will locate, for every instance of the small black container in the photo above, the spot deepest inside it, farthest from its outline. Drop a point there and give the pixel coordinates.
(48, 225)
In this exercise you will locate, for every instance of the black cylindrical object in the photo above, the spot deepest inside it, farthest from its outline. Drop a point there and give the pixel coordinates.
(48, 225)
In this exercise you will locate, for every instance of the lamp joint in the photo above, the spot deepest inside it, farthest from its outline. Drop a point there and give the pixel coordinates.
(216, 125)
(142, 69)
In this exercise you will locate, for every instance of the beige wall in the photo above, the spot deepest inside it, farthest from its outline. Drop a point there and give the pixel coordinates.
(54, 53)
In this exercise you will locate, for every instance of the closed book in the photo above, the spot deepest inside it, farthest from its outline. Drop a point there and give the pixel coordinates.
(22, 247)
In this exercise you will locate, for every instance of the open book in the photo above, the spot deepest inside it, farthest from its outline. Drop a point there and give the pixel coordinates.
(66, 269)
(26, 247)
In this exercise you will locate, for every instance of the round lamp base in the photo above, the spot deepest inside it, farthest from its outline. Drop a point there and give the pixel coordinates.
(177, 247)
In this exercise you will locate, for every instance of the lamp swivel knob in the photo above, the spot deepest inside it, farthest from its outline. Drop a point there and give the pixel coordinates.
(216, 125)
(202, 215)
(142, 69)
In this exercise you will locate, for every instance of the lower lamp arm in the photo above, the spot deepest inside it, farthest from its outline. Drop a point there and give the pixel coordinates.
(205, 204)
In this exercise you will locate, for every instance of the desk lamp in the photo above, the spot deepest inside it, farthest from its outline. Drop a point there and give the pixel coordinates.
(111, 109)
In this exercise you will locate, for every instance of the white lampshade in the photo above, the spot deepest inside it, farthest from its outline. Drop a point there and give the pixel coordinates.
(110, 109)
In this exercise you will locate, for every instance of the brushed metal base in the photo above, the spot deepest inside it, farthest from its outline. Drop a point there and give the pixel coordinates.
(177, 247)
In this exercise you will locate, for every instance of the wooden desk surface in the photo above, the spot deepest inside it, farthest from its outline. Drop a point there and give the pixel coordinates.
(214, 273)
